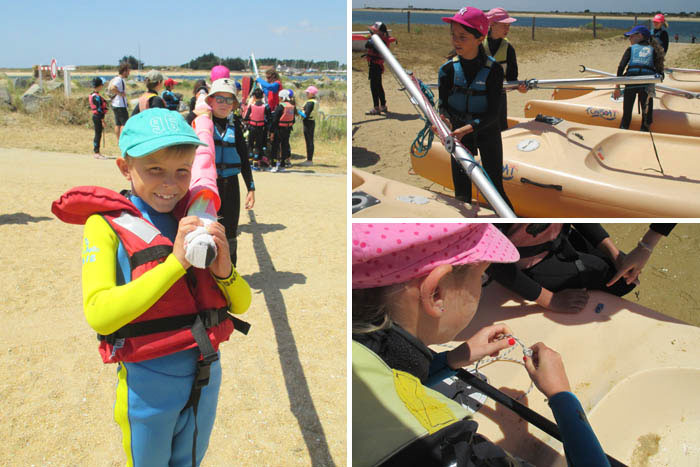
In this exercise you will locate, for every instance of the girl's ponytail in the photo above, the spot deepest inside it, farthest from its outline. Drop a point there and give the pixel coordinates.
(659, 56)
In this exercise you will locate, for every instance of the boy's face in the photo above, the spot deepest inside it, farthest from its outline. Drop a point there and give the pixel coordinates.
(161, 179)
(464, 42)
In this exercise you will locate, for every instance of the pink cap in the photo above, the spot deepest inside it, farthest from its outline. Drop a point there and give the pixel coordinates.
(385, 254)
(218, 72)
(499, 15)
(660, 18)
(472, 18)
(313, 90)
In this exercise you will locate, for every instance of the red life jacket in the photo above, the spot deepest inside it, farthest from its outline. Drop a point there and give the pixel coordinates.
(533, 241)
(164, 328)
(143, 100)
(93, 106)
(375, 57)
(287, 118)
(273, 98)
(256, 117)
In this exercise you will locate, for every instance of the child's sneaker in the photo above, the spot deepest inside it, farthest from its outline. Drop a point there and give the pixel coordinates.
(307, 163)
(288, 164)
(276, 168)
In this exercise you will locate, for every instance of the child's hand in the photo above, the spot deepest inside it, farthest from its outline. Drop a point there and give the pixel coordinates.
(250, 200)
(546, 369)
(221, 267)
(460, 132)
(186, 225)
(522, 88)
(484, 342)
(616, 93)
(569, 301)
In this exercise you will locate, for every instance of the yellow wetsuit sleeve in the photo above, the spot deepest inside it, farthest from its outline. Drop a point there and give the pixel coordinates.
(108, 306)
(237, 292)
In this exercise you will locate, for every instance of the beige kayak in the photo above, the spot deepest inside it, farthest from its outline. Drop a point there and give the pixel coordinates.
(374, 196)
(635, 371)
(672, 114)
(689, 81)
(576, 170)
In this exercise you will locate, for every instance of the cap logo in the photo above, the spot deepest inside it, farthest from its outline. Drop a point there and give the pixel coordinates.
(160, 124)
(462, 10)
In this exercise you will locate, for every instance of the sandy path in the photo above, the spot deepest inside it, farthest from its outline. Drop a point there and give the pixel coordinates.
(283, 396)
(381, 145)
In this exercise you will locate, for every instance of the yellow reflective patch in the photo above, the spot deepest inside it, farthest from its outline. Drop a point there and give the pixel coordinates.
(432, 414)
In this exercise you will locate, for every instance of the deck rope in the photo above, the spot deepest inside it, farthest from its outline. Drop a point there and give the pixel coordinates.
(504, 356)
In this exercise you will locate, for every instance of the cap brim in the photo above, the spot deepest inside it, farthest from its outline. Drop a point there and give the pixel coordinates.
(507, 20)
(149, 147)
(492, 247)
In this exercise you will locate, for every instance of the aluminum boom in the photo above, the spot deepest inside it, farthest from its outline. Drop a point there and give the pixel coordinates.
(660, 87)
(458, 152)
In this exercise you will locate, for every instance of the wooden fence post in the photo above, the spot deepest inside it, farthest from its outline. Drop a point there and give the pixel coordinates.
(594, 35)
(533, 28)
(408, 14)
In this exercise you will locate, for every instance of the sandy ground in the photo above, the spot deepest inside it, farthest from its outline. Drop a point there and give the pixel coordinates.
(283, 396)
(381, 144)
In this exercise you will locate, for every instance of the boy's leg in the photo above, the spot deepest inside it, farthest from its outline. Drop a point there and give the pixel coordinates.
(309, 127)
(97, 123)
(148, 415)
(491, 152)
(286, 148)
(206, 414)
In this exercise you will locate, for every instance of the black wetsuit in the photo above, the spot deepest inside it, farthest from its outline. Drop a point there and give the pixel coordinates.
(486, 136)
(97, 120)
(662, 36)
(511, 74)
(575, 262)
(376, 68)
(309, 128)
(632, 91)
(229, 189)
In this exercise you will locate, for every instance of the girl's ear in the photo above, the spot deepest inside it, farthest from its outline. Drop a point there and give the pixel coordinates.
(431, 295)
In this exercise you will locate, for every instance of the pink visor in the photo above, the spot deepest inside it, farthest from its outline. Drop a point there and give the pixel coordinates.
(385, 254)
(471, 18)
(499, 15)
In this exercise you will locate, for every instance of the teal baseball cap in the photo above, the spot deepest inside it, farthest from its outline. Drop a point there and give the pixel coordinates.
(154, 129)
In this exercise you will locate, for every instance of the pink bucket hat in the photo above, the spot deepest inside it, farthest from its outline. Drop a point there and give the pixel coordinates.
(313, 90)
(472, 18)
(499, 15)
(218, 72)
(385, 254)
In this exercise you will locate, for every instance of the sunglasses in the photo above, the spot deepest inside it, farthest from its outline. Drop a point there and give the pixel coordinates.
(224, 100)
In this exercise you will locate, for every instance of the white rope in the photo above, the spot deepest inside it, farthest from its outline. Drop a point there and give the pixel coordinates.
(503, 356)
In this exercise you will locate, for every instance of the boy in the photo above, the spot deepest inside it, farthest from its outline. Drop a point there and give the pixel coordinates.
(98, 106)
(172, 101)
(281, 127)
(155, 316)
(255, 118)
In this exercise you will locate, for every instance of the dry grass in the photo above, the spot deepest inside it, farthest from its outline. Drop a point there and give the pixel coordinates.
(425, 48)
(691, 59)
(65, 125)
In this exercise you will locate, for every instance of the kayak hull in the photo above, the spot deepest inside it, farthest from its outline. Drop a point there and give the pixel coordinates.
(605, 349)
(672, 114)
(575, 170)
(374, 196)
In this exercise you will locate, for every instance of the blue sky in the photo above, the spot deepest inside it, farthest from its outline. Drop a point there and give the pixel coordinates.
(169, 32)
(541, 5)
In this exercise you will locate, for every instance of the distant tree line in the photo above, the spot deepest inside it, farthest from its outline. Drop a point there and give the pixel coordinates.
(209, 60)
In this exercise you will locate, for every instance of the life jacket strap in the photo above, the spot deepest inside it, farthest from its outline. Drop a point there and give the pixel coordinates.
(149, 254)
(209, 318)
(223, 165)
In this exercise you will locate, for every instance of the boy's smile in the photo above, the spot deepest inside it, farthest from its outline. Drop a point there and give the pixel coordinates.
(161, 179)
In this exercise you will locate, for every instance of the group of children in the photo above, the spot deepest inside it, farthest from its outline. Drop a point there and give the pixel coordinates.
(267, 114)
(472, 101)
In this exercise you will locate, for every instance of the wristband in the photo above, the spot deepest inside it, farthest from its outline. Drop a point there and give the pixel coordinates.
(644, 246)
